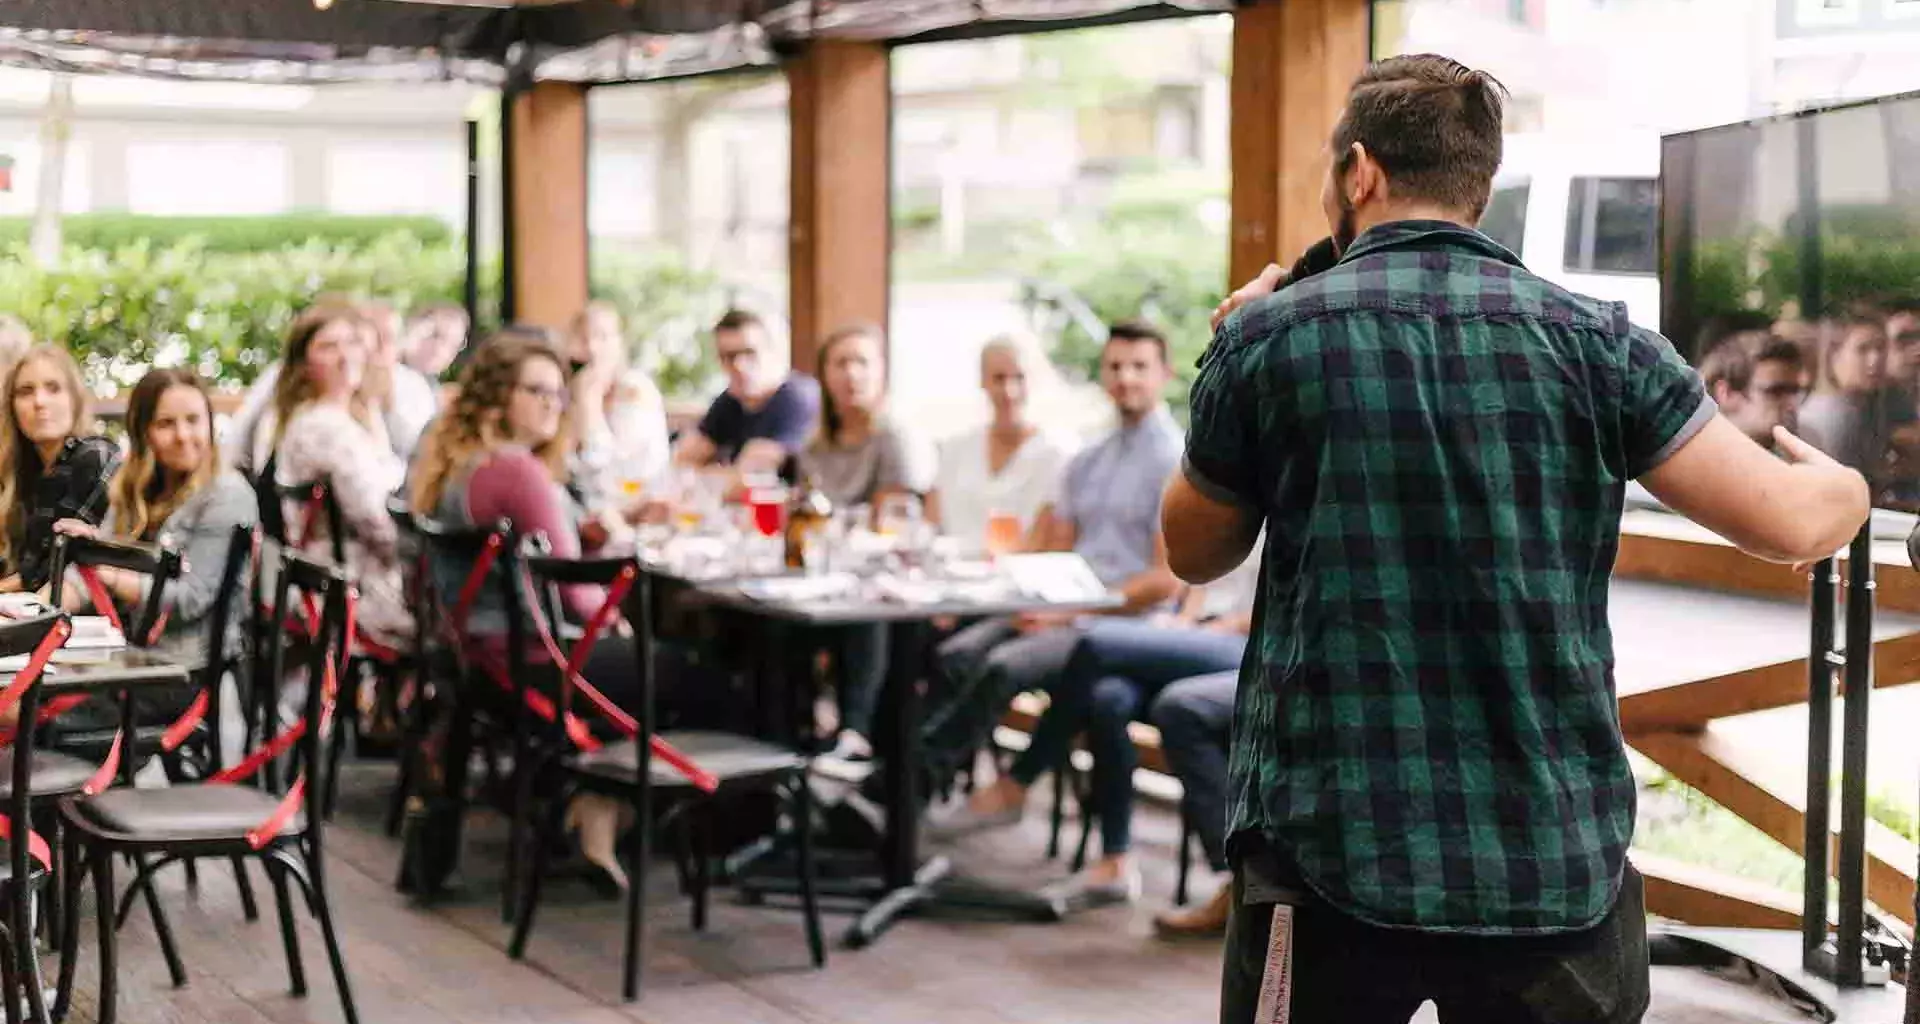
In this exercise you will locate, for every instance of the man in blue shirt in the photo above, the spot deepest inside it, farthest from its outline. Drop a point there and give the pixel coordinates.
(1108, 513)
(767, 412)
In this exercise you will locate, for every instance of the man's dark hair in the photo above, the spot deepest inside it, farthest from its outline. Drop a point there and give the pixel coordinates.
(738, 320)
(1136, 331)
(1432, 123)
(1717, 329)
(1734, 360)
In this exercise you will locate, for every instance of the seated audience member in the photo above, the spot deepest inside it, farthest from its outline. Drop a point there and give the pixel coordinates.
(500, 452)
(1749, 326)
(171, 491)
(1009, 466)
(859, 456)
(403, 399)
(1108, 512)
(403, 396)
(619, 418)
(1854, 415)
(1119, 669)
(766, 414)
(49, 469)
(1757, 384)
(861, 453)
(15, 340)
(435, 337)
(324, 429)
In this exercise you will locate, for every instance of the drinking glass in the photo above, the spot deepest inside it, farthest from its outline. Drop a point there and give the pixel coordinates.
(1003, 533)
(899, 516)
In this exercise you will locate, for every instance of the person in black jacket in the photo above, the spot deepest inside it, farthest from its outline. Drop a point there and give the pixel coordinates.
(49, 468)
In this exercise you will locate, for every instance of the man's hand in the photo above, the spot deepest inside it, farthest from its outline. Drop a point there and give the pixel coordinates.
(1267, 283)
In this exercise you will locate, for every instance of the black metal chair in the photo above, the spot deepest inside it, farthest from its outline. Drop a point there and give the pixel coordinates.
(698, 771)
(29, 859)
(477, 706)
(189, 746)
(220, 817)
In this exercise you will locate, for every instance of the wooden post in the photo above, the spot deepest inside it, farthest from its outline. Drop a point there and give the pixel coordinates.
(841, 217)
(1293, 61)
(547, 151)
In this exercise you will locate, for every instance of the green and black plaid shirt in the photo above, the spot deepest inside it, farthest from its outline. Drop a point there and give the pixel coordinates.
(1439, 442)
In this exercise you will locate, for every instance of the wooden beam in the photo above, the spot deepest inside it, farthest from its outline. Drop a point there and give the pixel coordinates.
(840, 231)
(1706, 898)
(1293, 62)
(1667, 548)
(1748, 783)
(549, 182)
(1695, 704)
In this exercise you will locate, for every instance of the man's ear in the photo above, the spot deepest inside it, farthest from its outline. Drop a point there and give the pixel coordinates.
(1364, 179)
(1722, 393)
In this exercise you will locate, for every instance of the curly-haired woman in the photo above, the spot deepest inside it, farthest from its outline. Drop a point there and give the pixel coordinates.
(499, 453)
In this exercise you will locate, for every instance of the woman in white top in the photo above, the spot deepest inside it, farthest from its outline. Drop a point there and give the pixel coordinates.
(1010, 465)
(619, 416)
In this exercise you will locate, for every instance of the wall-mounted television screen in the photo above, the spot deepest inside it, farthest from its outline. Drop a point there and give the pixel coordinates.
(1790, 274)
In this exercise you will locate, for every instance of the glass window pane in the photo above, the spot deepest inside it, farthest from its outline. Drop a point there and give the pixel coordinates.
(1506, 218)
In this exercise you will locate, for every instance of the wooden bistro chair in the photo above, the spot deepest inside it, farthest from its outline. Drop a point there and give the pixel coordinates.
(699, 772)
(222, 817)
(28, 862)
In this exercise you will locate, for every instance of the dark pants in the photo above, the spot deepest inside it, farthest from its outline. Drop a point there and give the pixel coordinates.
(1348, 972)
(1195, 719)
(1114, 673)
(860, 673)
(986, 665)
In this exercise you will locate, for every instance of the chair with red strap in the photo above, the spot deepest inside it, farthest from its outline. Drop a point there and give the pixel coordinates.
(467, 705)
(313, 510)
(700, 773)
(187, 738)
(225, 817)
(28, 858)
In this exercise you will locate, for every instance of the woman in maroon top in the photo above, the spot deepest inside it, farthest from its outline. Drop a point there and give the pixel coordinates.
(500, 453)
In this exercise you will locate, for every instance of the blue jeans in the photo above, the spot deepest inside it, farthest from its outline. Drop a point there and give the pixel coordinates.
(1114, 672)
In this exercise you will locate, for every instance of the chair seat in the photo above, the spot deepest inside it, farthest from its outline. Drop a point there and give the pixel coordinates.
(54, 773)
(197, 812)
(729, 757)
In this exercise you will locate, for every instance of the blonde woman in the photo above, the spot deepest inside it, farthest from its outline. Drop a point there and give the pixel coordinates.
(618, 414)
(1009, 466)
(49, 469)
(323, 429)
(171, 490)
(500, 452)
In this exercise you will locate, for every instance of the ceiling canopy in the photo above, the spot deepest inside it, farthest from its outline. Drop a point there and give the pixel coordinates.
(485, 40)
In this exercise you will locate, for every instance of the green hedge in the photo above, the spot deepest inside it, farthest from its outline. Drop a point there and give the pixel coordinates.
(224, 314)
(114, 231)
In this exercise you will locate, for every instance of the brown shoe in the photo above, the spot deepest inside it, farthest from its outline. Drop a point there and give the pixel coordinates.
(1207, 920)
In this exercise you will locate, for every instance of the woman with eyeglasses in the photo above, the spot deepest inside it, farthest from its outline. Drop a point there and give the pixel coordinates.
(326, 430)
(501, 452)
(49, 469)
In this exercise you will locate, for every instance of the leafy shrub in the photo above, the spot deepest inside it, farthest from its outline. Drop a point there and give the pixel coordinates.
(225, 314)
(115, 231)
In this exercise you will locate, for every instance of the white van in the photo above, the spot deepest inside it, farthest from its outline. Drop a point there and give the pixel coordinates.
(1585, 215)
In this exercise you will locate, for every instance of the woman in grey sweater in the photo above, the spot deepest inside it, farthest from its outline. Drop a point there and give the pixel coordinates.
(171, 490)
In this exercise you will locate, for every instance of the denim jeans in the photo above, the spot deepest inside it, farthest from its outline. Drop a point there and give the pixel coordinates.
(985, 666)
(1116, 670)
(1195, 719)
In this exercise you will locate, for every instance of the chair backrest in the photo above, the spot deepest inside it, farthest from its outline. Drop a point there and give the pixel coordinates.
(241, 545)
(485, 556)
(35, 639)
(318, 508)
(159, 564)
(322, 653)
(545, 575)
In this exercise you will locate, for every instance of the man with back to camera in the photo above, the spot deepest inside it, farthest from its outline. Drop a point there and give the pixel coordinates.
(1757, 383)
(1430, 798)
(767, 411)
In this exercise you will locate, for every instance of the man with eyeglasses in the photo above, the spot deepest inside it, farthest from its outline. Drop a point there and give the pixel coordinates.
(1758, 383)
(766, 413)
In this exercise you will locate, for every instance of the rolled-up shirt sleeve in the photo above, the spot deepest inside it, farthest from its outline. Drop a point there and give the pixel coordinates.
(1664, 402)
(1220, 458)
